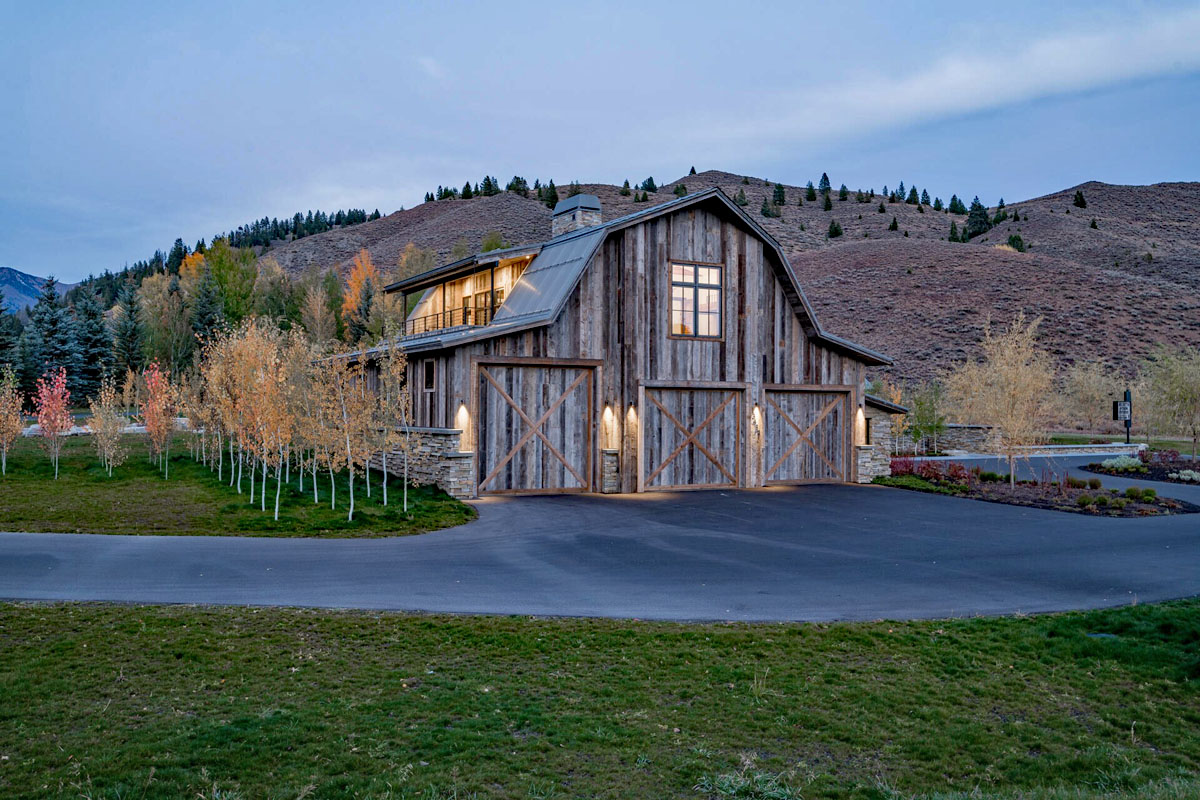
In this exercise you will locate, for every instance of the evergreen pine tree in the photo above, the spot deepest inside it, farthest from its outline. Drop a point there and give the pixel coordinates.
(128, 337)
(467, 194)
(977, 219)
(957, 206)
(1094, 225)
(953, 231)
(810, 193)
(740, 198)
(648, 185)
(924, 197)
(823, 186)
(882, 208)
(780, 196)
(937, 204)
(1079, 201)
(356, 325)
(550, 194)
(680, 190)
(895, 226)
(692, 171)
(178, 253)
(94, 346)
(912, 199)
(835, 229)
(206, 312)
(518, 185)
(843, 192)
(55, 330)
(828, 205)
(625, 188)
(10, 334)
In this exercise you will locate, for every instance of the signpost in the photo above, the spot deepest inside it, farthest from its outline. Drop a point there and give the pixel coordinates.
(1123, 412)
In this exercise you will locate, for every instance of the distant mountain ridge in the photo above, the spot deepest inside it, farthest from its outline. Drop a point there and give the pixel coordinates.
(22, 289)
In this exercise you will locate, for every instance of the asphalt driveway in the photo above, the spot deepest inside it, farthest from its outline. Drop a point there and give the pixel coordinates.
(798, 553)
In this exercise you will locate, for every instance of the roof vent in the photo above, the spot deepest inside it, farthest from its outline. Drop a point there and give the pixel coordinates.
(578, 211)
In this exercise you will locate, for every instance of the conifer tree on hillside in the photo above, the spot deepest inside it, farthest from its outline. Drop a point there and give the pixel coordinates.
(692, 171)
(912, 199)
(780, 195)
(518, 186)
(54, 329)
(740, 197)
(828, 205)
(648, 185)
(680, 190)
(823, 186)
(937, 204)
(977, 219)
(550, 194)
(10, 332)
(843, 192)
(810, 193)
(467, 194)
(206, 313)
(128, 339)
(953, 231)
(625, 190)
(95, 348)
(882, 208)
(1079, 201)
(924, 197)
(957, 206)
(178, 252)
(835, 229)
(895, 226)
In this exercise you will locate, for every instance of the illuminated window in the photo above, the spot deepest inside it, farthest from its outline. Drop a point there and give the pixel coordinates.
(696, 301)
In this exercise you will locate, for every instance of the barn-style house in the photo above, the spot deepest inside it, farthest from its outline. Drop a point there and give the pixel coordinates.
(670, 348)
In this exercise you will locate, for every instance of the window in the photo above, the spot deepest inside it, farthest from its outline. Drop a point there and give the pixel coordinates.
(867, 431)
(429, 369)
(696, 301)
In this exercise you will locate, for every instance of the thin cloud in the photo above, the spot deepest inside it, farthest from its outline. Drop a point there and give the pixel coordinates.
(430, 67)
(959, 83)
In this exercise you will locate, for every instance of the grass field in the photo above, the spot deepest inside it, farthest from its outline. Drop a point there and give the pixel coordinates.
(192, 501)
(180, 702)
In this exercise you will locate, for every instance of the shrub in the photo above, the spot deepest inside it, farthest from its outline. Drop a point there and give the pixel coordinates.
(991, 477)
(903, 465)
(1123, 464)
(1186, 475)
(1102, 500)
(1164, 456)
(1076, 483)
(1133, 493)
(1119, 503)
(1094, 483)
(1149, 495)
(957, 472)
(930, 471)
(835, 228)
(1084, 500)
(1016, 243)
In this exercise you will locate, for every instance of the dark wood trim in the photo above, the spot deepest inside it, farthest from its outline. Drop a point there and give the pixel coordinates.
(669, 384)
(534, 361)
(808, 387)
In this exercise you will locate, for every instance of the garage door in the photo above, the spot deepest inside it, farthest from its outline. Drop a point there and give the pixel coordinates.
(534, 428)
(691, 437)
(805, 435)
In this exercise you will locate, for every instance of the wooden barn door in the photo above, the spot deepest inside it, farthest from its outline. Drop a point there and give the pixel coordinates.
(806, 435)
(691, 437)
(534, 428)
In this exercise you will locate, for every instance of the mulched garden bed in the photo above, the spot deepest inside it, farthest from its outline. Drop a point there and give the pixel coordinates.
(1164, 465)
(1072, 494)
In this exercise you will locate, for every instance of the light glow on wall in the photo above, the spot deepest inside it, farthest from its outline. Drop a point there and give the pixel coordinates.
(462, 421)
(608, 429)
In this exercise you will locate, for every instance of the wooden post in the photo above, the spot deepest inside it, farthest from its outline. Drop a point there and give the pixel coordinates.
(492, 313)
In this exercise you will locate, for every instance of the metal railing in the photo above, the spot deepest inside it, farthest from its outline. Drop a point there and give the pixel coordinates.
(453, 318)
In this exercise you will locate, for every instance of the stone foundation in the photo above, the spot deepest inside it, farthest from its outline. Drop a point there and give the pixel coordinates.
(875, 459)
(437, 461)
(610, 471)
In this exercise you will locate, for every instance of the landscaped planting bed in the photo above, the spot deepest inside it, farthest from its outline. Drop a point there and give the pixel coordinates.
(1052, 492)
(1160, 465)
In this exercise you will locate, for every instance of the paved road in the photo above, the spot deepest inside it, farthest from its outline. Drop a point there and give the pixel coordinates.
(802, 553)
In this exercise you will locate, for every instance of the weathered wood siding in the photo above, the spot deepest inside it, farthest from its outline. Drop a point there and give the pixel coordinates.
(620, 315)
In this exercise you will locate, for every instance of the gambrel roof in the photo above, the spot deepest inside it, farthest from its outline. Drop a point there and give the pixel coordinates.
(543, 290)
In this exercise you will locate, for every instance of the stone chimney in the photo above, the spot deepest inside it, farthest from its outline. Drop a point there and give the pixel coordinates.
(580, 211)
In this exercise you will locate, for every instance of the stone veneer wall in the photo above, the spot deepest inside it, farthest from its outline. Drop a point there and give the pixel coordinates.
(875, 459)
(438, 461)
(610, 471)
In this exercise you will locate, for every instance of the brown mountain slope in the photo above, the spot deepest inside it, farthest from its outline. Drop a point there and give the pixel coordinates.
(1100, 295)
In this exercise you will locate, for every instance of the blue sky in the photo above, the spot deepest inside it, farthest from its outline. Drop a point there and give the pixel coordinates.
(125, 125)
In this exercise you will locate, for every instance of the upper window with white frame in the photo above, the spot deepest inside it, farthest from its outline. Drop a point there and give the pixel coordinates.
(696, 301)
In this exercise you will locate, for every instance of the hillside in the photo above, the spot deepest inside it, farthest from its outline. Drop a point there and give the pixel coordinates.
(920, 298)
(22, 289)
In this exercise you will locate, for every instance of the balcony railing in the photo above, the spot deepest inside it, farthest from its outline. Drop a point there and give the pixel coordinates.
(453, 318)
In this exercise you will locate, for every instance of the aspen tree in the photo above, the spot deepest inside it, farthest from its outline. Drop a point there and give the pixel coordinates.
(107, 423)
(52, 402)
(10, 414)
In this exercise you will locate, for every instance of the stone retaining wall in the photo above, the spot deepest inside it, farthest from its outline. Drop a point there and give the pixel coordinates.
(610, 471)
(875, 459)
(437, 461)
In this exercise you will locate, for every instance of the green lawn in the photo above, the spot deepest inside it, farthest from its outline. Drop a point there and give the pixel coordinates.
(126, 702)
(192, 501)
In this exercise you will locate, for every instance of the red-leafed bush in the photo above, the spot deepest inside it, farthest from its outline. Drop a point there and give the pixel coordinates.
(1164, 456)
(903, 465)
(930, 471)
(957, 472)
(1144, 455)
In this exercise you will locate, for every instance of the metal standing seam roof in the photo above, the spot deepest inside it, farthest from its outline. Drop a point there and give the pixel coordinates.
(546, 285)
